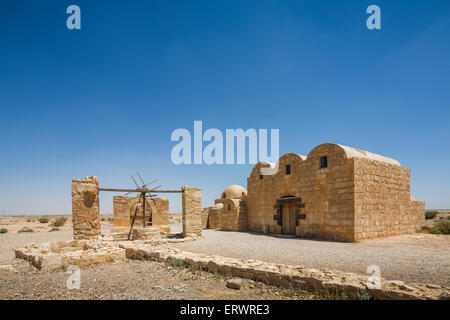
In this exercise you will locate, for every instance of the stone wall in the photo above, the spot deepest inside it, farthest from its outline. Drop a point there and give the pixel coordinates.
(121, 211)
(159, 208)
(205, 217)
(160, 215)
(191, 211)
(85, 208)
(215, 220)
(383, 205)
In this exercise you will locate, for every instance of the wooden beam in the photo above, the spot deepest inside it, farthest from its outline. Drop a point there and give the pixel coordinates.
(140, 190)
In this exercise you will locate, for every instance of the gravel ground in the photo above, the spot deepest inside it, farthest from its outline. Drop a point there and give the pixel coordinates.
(9, 242)
(415, 258)
(132, 280)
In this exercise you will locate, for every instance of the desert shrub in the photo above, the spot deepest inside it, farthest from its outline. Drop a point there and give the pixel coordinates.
(330, 295)
(177, 263)
(43, 219)
(441, 227)
(54, 229)
(25, 229)
(59, 222)
(28, 220)
(430, 214)
(3, 230)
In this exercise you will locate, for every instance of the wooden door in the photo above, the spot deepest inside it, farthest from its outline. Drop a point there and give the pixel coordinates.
(285, 219)
(288, 218)
(292, 219)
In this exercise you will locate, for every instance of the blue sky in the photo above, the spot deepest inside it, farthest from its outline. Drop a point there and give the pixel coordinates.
(105, 99)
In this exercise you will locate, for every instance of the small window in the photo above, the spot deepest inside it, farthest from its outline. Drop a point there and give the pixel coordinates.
(323, 162)
(229, 207)
(288, 169)
(261, 176)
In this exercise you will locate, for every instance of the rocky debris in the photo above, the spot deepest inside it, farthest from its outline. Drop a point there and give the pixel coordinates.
(60, 255)
(84, 253)
(235, 283)
(286, 276)
(444, 296)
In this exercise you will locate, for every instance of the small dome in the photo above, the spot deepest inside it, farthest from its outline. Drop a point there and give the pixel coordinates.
(234, 192)
(218, 206)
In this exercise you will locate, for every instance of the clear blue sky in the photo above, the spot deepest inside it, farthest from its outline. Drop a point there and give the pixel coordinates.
(105, 99)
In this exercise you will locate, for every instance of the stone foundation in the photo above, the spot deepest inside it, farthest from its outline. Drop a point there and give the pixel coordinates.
(85, 208)
(286, 276)
(145, 233)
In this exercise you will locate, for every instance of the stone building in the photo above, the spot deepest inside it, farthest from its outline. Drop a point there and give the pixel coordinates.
(86, 210)
(228, 213)
(214, 216)
(335, 192)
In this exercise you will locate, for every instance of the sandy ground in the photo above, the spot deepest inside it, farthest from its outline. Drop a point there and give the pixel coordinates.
(415, 258)
(13, 224)
(132, 280)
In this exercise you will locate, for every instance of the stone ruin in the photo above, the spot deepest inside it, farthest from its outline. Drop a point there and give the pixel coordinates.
(86, 211)
(85, 208)
(123, 211)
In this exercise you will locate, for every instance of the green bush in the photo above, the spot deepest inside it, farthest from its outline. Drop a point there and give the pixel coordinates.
(3, 230)
(441, 227)
(430, 214)
(25, 229)
(43, 219)
(59, 222)
(54, 229)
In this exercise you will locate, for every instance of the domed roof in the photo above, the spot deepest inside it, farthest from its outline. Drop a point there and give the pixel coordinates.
(218, 206)
(234, 192)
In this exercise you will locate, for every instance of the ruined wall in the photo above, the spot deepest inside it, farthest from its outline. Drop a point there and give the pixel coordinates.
(383, 205)
(121, 211)
(160, 215)
(85, 208)
(205, 217)
(327, 194)
(192, 211)
(215, 220)
(158, 207)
